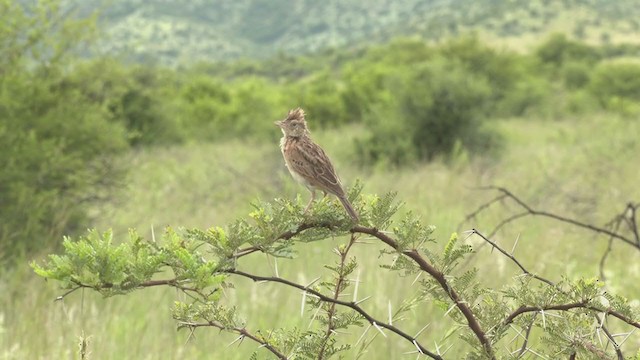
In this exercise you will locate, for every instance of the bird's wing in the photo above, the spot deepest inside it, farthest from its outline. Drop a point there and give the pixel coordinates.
(310, 161)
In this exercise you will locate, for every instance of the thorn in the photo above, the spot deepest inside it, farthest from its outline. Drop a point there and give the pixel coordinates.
(275, 264)
(626, 337)
(449, 310)
(362, 336)
(437, 348)
(519, 333)
(544, 320)
(415, 343)
(302, 303)
(236, 340)
(444, 352)
(599, 337)
(379, 329)
(421, 330)
(153, 234)
(389, 311)
(363, 300)
(411, 352)
(416, 279)
(313, 317)
(394, 261)
(535, 353)
(355, 289)
(313, 282)
(192, 331)
(515, 244)
(469, 234)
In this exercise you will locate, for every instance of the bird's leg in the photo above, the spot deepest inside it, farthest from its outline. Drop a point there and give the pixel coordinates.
(313, 197)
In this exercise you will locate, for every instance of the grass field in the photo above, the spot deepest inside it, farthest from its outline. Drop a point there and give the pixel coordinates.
(586, 168)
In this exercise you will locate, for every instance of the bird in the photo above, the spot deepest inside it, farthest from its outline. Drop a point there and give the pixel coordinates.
(308, 163)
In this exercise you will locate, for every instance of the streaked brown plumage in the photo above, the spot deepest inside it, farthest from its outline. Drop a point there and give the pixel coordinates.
(307, 162)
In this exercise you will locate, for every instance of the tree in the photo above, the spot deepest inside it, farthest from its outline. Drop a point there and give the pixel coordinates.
(57, 146)
(565, 314)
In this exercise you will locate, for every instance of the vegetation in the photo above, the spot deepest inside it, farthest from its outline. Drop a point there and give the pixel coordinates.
(177, 33)
(95, 142)
(202, 263)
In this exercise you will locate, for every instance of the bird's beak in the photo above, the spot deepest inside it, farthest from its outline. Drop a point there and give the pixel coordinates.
(278, 123)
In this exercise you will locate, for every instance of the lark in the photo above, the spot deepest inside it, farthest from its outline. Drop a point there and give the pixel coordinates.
(307, 162)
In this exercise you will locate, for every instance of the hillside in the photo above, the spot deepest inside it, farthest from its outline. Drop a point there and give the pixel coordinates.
(178, 32)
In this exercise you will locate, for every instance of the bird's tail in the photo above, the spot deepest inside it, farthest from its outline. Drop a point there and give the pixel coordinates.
(350, 210)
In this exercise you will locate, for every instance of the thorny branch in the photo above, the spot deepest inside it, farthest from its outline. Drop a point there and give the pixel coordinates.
(350, 304)
(563, 307)
(340, 283)
(629, 216)
(462, 305)
(244, 333)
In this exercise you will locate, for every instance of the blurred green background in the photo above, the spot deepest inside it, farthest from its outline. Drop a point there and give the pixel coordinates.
(142, 114)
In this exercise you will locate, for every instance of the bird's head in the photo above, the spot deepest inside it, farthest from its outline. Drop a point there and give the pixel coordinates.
(294, 124)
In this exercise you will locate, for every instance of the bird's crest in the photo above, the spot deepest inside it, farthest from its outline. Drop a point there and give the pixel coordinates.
(295, 114)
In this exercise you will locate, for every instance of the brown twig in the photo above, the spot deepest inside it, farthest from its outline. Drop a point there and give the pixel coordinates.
(526, 336)
(244, 333)
(515, 261)
(338, 289)
(616, 347)
(464, 308)
(551, 283)
(352, 304)
(565, 307)
(533, 212)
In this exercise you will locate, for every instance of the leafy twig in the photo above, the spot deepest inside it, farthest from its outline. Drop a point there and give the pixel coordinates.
(244, 333)
(472, 321)
(350, 304)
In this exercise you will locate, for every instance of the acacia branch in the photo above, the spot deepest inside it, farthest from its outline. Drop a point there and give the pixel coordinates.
(243, 333)
(338, 288)
(551, 283)
(353, 305)
(616, 347)
(565, 307)
(472, 321)
(513, 258)
(284, 236)
(533, 212)
(526, 337)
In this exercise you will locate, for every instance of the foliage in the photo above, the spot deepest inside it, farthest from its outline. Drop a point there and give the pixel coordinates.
(176, 32)
(57, 147)
(617, 86)
(558, 50)
(204, 264)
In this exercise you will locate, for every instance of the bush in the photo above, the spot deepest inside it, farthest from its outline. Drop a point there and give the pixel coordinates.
(52, 168)
(57, 142)
(558, 50)
(322, 98)
(576, 75)
(440, 107)
(617, 86)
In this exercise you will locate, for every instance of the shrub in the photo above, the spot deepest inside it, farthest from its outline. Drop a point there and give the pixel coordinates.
(57, 142)
(439, 106)
(57, 160)
(616, 85)
(558, 49)
(576, 75)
